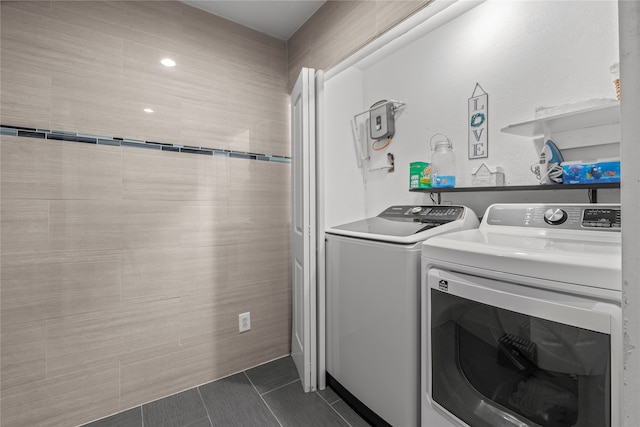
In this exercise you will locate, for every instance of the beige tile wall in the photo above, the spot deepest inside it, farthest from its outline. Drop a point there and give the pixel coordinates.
(141, 290)
(93, 66)
(123, 270)
(340, 28)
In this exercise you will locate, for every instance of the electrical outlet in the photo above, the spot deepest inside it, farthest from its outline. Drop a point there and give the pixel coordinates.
(244, 321)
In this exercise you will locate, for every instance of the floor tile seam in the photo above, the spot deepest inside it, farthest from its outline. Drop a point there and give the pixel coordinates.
(328, 403)
(263, 399)
(206, 410)
(339, 414)
(316, 392)
(197, 421)
(182, 391)
(180, 405)
(279, 387)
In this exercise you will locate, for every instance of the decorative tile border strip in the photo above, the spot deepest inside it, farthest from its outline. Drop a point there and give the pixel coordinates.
(60, 135)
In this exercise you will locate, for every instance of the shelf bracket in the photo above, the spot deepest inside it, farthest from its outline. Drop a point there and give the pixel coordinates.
(438, 197)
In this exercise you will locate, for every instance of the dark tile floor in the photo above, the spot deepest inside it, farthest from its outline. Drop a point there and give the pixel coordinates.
(268, 395)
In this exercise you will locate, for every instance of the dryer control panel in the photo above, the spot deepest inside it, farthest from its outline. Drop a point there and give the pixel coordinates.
(560, 216)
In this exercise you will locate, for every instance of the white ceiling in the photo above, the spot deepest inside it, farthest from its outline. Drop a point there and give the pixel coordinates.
(278, 18)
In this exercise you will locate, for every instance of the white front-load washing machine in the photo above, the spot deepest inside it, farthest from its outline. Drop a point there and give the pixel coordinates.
(521, 319)
(373, 308)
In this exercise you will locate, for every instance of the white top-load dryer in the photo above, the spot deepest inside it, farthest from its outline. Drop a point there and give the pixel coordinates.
(521, 319)
(373, 308)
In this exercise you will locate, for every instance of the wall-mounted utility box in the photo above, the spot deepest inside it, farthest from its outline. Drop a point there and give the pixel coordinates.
(381, 121)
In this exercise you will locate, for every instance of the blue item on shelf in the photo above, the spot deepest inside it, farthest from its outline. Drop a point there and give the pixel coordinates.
(600, 171)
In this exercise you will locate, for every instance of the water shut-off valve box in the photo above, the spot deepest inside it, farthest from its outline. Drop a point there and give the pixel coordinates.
(381, 121)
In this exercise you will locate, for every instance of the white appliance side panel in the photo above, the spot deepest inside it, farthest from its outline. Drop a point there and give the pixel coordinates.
(373, 314)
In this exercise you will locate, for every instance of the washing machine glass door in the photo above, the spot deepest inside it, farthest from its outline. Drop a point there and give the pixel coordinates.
(493, 364)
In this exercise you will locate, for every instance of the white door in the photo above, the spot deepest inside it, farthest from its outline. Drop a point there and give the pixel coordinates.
(303, 228)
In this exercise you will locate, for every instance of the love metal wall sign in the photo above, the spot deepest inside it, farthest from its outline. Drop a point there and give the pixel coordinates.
(478, 124)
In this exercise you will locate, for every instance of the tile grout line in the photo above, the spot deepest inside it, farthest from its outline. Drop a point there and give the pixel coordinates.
(338, 413)
(277, 388)
(203, 404)
(262, 398)
(197, 386)
(328, 403)
(120, 388)
(46, 350)
(46, 321)
(332, 407)
(315, 392)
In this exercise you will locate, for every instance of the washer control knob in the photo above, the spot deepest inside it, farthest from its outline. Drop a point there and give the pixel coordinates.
(416, 210)
(555, 216)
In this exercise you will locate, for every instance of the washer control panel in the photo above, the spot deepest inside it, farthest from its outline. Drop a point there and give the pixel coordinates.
(569, 217)
(423, 213)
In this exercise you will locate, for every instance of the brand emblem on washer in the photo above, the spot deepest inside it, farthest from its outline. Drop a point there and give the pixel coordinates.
(443, 285)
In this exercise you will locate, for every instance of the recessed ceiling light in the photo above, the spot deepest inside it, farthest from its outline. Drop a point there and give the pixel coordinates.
(168, 62)
(148, 110)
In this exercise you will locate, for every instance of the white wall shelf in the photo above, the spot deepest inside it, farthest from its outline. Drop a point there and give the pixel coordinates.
(575, 120)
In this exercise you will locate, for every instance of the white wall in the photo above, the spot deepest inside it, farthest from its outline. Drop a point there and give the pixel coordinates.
(524, 54)
(343, 179)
